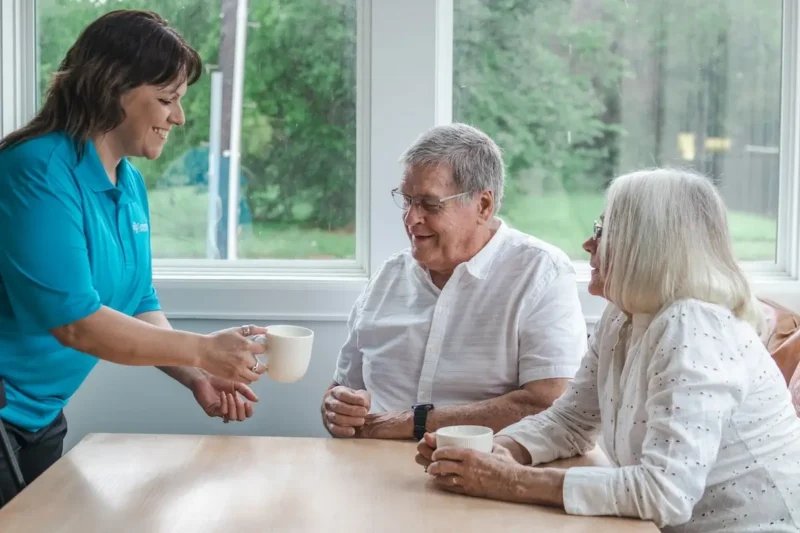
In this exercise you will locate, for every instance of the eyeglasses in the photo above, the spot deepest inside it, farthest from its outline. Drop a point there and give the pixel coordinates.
(597, 231)
(430, 204)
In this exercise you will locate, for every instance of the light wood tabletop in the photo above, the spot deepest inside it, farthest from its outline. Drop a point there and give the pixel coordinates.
(177, 483)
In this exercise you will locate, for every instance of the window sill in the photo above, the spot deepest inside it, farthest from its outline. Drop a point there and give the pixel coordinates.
(284, 298)
(316, 297)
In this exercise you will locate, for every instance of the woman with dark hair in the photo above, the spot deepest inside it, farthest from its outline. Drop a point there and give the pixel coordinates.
(75, 267)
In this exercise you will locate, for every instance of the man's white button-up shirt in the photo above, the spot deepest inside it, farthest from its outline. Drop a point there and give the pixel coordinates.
(509, 316)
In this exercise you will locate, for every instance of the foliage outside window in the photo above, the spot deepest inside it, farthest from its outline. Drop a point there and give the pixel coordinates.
(579, 91)
(574, 91)
(298, 164)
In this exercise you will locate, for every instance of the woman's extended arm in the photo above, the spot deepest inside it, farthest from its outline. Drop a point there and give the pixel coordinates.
(122, 339)
(568, 428)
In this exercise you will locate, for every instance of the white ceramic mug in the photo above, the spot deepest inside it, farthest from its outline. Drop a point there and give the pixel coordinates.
(288, 351)
(478, 438)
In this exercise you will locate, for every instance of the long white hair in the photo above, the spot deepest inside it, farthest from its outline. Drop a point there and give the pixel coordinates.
(665, 238)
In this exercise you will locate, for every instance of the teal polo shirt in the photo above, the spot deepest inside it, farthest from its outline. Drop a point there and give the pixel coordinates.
(71, 243)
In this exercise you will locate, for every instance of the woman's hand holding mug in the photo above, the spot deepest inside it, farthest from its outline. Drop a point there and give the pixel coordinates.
(230, 354)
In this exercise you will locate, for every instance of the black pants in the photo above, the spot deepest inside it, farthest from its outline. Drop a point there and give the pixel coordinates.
(36, 451)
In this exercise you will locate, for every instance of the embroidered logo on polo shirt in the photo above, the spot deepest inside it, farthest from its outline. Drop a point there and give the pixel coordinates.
(141, 227)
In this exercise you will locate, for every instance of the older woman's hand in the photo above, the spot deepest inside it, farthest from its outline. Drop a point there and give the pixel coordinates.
(487, 475)
(502, 445)
(425, 450)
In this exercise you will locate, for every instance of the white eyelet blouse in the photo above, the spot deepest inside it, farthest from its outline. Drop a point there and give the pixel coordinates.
(693, 412)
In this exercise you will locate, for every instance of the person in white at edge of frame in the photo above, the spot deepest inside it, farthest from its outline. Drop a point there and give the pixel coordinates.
(694, 413)
(476, 324)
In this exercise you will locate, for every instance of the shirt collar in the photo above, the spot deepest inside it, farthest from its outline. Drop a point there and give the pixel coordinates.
(481, 262)
(125, 182)
(92, 169)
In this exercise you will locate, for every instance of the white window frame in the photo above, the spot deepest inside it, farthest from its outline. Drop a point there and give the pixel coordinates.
(404, 77)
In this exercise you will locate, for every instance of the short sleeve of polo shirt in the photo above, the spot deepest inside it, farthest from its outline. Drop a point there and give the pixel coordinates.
(149, 301)
(44, 262)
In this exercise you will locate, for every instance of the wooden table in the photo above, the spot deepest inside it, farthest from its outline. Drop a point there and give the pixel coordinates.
(160, 483)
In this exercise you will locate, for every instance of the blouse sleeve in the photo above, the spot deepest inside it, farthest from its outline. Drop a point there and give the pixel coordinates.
(794, 387)
(570, 426)
(695, 381)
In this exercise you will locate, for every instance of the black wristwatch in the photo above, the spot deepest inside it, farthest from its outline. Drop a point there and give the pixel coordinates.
(420, 418)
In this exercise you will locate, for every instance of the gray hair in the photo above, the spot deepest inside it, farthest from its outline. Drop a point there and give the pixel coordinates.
(474, 159)
(665, 238)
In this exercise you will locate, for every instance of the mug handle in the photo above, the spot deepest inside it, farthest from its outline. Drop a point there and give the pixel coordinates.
(262, 340)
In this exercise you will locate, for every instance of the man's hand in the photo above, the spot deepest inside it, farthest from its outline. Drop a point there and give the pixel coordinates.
(221, 397)
(344, 410)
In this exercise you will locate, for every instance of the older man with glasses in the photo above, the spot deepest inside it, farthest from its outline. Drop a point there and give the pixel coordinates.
(476, 323)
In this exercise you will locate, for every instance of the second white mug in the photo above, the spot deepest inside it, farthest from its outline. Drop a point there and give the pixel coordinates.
(478, 438)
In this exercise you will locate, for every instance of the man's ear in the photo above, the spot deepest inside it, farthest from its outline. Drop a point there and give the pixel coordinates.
(485, 206)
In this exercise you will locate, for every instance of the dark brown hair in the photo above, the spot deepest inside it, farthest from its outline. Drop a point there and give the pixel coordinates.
(119, 51)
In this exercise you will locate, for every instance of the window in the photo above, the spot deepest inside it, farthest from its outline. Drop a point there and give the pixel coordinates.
(293, 118)
(328, 93)
(579, 91)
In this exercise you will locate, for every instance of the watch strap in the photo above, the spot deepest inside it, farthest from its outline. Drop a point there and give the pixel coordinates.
(421, 419)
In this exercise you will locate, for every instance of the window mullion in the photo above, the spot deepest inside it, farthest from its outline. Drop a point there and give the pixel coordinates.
(410, 93)
(788, 253)
(18, 86)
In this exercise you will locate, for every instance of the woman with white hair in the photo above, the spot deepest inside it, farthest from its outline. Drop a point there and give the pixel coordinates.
(694, 414)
